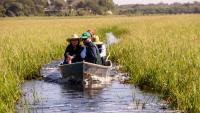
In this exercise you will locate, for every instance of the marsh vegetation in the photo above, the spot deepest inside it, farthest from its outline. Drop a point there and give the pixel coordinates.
(159, 52)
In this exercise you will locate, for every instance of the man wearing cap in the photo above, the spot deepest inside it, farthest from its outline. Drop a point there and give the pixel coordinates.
(73, 51)
(92, 52)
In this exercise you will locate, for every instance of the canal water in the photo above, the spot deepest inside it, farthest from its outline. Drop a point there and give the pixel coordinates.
(54, 95)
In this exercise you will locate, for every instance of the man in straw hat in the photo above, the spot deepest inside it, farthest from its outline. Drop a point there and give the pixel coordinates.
(101, 46)
(92, 52)
(73, 51)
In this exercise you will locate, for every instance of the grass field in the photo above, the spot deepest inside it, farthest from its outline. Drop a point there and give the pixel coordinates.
(160, 52)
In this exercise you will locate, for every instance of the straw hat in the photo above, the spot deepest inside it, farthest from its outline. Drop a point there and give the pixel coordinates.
(73, 37)
(96, 40)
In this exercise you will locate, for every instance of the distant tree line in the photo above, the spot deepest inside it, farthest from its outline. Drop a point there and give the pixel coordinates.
(54, 7)
(22, 7)
(88, 7)
(82, 7)
(95, 6)
(176, 8)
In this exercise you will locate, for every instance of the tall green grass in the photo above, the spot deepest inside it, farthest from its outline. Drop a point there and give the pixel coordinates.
(163, 53)
(28, 43)
(160, 52)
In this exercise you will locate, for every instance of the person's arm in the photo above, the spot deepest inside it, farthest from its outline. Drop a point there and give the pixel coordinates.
(66, 60)
(94, 52)
(66, 52)
(83, 53)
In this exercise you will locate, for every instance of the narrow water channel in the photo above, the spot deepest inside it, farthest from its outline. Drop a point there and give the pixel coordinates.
(53, 95)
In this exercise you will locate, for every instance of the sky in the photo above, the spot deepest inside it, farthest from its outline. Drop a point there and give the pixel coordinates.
(121, 2)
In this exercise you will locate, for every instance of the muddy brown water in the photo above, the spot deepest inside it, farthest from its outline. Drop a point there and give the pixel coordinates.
(53, 95)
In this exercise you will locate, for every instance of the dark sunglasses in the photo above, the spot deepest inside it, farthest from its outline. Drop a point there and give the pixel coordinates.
(84, 39)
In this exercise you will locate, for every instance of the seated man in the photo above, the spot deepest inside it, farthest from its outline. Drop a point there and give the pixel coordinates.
(92, 52)
(73, 51)
(101, 47)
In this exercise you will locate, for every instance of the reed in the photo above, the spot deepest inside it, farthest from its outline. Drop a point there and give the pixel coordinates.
(28, 43)
(160, 52)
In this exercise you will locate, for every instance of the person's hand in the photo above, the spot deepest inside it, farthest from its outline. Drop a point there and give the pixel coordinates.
(68, 59)
(71, 57)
